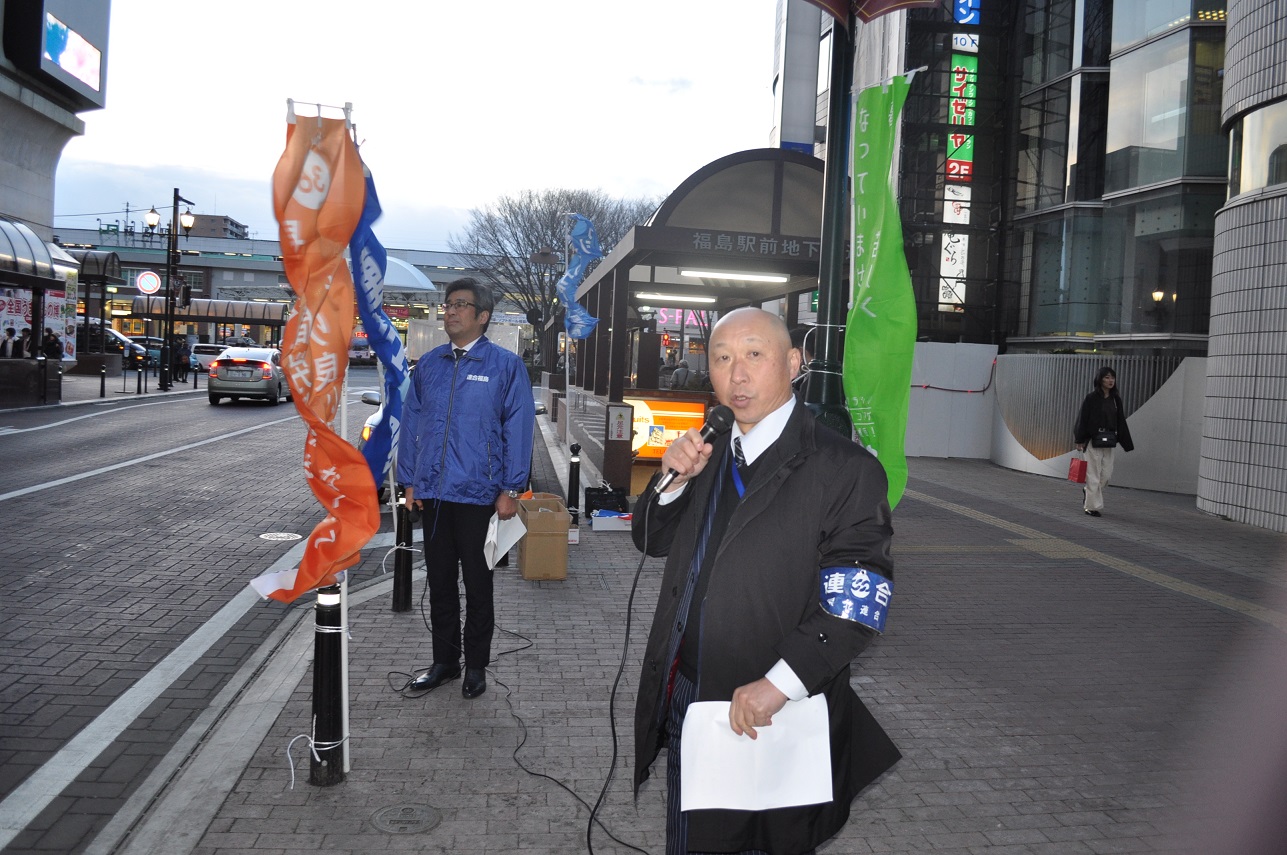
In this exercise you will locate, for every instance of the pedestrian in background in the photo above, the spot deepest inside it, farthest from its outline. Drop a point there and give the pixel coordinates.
(1100, 428)
(9, 345)
(182, 355)
(51, 347)
(464, 454)
(24, 343)
(679, 377)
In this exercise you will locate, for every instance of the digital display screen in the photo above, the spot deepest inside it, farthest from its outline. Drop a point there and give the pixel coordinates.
(69, 50)
(61, 44)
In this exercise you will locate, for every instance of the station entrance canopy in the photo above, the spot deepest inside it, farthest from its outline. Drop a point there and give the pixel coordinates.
(215, 311)
(742, 230)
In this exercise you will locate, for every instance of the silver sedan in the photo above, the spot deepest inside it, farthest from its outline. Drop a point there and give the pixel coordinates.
(248, 372)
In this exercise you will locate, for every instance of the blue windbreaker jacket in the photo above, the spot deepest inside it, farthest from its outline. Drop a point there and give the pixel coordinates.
(466, 432)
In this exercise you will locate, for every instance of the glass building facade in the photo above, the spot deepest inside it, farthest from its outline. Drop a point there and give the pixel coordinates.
(1060, 168)
(1082, 140)
(1119, 168)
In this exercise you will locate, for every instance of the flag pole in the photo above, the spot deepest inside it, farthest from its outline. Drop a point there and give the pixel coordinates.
(567, 339)
(823, 388)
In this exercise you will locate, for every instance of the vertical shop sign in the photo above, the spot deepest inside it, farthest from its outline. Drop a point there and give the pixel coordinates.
(962, 106)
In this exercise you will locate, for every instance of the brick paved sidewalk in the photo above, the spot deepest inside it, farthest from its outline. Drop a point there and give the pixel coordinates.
(1044, 673)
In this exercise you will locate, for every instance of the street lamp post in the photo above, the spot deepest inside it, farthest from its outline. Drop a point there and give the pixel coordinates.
(153, 219)
(548, 259)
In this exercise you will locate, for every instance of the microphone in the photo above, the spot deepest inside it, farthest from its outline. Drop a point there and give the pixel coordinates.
(718, 420)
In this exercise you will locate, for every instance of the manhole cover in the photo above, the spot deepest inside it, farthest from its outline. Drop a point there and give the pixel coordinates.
(406, 819)
(280, 535)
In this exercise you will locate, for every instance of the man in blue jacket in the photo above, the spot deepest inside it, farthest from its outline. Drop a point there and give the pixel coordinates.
(464, 453)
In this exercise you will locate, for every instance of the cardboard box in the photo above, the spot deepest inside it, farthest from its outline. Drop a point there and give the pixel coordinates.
(574, 534)
(609, 521)
(543, 551)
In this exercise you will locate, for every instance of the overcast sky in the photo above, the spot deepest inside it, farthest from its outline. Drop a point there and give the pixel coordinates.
(455, 103)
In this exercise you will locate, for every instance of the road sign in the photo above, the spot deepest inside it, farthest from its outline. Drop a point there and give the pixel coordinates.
(148, 282)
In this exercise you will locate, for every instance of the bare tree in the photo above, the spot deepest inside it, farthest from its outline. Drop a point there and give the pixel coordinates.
(502, 237)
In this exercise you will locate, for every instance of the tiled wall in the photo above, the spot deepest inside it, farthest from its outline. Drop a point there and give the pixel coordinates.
(1255, 56)
(1243, 470)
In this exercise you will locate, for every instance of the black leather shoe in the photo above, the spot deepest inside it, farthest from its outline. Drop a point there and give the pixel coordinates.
(1093, 514)
(475, 682)
(435, 677)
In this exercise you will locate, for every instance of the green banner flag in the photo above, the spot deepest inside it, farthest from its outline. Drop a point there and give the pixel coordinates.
(880, 336)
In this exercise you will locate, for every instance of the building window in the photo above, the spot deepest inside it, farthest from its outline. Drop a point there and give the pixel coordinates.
(1043, 148)
(1048, 41)
(824, 63)
(1162, 243)
(1258, 150)
(1060, 275)
(1164, 111)
(1087, 127)
(1137, 20)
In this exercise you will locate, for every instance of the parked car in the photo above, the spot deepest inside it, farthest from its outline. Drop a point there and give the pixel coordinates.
(248, 372)
(153, 347)
(150, 343)
(204, 354)
(96, 339)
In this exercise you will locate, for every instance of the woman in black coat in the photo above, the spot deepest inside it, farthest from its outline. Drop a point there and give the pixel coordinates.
(1100, 428)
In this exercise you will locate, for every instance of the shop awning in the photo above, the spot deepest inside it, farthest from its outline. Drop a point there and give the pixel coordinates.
(99, 267)
(25, 261)
(215, 311)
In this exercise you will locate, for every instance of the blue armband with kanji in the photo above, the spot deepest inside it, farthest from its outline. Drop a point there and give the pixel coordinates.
(856, 594)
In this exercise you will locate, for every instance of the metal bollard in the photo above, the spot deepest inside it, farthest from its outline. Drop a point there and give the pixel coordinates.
(326, 759)
(102, 380)
(403, 534)
(574, 483)
(138, 382)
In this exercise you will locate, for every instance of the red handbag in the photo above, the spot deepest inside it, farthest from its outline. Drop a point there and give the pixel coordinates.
(1077, 470)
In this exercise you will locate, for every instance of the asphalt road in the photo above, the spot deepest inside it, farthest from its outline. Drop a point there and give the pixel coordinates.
(127, 526)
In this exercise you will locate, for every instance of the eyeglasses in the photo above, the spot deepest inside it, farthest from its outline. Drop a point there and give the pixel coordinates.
(459, 305)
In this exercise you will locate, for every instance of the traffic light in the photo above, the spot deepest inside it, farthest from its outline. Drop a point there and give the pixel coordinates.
(185, 296)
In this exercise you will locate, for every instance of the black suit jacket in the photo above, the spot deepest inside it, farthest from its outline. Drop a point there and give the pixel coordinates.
(819, 501)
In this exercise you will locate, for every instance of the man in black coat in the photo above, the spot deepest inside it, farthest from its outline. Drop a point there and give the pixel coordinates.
(778, 575)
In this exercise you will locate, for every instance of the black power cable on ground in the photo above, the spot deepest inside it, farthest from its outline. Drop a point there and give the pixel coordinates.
(410, 678)
(647, 502)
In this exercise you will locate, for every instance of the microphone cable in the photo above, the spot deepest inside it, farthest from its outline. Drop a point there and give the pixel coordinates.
(410, 695)
(718, 420)
(647, 500)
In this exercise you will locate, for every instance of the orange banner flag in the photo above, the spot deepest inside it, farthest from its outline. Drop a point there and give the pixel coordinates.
(318, 192)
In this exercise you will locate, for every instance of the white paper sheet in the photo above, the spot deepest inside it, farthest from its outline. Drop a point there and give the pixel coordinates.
(789, 763)
(501, 537)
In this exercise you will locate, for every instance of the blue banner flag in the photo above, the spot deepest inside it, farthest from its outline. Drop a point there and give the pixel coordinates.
(370, 261)
(577, 320)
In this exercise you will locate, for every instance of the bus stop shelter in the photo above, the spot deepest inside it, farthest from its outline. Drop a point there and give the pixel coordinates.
(28, 269)
(255, 312)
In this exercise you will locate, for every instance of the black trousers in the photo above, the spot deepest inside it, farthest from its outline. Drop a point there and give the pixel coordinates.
(454, 534)
(676, 821)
